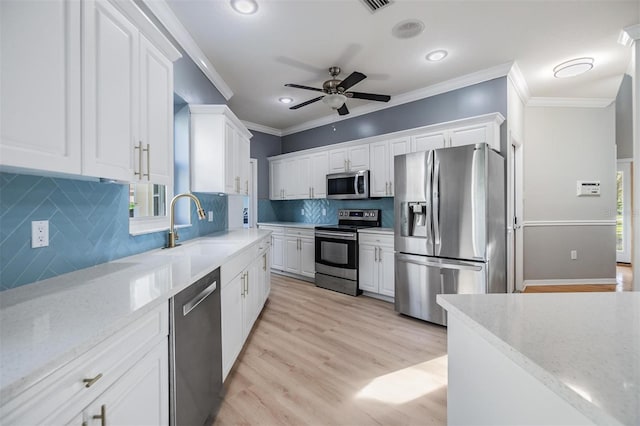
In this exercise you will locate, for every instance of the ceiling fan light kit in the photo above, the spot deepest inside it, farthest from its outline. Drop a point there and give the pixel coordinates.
(245, 7)
(335, 91)
(573, 67)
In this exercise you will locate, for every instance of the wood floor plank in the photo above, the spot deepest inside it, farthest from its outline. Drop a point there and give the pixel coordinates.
(318, 357)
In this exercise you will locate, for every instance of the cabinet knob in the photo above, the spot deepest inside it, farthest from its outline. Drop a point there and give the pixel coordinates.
(90, 382)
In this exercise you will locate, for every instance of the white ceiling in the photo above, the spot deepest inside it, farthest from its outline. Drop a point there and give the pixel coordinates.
(296, 41)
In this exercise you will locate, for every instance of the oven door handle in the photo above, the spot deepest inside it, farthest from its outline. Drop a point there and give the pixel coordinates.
(337, 235)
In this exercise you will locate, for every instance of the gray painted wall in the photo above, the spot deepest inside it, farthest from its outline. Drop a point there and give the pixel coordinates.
(562, 146)
(482, 98)
(624, 118)
(264, 145)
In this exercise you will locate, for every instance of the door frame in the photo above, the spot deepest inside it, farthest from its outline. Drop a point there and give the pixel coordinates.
(627, 209)
(515, 245)
(253, 192)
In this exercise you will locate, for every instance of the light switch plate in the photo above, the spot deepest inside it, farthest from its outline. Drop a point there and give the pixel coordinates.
(324, 212)
(210, 216)
(39, 233)
(302, 212)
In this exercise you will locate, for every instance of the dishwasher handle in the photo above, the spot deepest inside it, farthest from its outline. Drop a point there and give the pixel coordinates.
(191, 305)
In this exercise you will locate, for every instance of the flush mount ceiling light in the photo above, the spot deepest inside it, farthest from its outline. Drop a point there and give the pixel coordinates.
(334, 100)
(286, 100)
(407, 29)
(573, 67)
(437, 55)
(246, 7)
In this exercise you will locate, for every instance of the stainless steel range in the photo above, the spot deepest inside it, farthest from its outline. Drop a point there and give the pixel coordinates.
(337, 250)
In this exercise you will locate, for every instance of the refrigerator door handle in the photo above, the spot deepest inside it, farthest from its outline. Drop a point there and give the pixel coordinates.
(448, 264)
(435, 191)
(442, 282)
(429, 206)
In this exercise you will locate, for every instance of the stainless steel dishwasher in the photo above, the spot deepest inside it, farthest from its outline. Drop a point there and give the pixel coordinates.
(196, 353)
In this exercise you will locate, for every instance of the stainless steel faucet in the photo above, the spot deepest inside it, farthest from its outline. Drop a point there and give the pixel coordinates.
(173, 234)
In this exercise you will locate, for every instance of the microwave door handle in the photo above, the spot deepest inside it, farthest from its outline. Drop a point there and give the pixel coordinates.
(355, 184)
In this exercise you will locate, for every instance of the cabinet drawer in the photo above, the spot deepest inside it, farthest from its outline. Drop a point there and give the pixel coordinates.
(237, 264)
(277, 230)
(375, 239)
(64, 391)
(300, 232)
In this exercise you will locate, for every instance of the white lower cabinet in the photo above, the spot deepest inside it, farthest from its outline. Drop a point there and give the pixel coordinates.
(376, 274)
(293, 250)
(245, 287)
(124, 378)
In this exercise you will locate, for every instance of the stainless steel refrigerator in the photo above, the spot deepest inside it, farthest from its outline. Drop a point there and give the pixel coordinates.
(450, 232)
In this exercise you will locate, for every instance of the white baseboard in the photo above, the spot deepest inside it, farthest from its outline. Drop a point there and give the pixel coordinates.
(569, 281)
(378, 296)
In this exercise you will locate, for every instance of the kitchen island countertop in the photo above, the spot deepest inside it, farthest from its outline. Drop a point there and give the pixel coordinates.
(584, 347)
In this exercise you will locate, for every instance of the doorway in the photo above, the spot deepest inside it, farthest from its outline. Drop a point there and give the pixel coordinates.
(624, 207)
(515, 246)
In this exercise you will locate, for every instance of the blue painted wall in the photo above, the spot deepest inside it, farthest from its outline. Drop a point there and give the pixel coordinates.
(88, 225)
(482, 98)
(263, 146)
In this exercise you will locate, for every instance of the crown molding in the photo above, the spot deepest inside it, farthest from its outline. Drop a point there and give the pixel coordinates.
(629, 34)
(262, 129)
(570, 102)
(221, 110)
(519, 83)
(165, 15)
(426, 92)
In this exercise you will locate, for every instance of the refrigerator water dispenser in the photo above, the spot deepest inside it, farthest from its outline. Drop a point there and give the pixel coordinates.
(414, 219)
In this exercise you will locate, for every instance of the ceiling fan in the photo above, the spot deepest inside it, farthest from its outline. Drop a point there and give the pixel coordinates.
(336, 91)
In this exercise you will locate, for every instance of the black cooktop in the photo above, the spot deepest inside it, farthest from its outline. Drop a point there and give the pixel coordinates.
(344, 228)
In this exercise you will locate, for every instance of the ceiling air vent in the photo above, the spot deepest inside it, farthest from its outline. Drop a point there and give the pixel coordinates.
(375, 5)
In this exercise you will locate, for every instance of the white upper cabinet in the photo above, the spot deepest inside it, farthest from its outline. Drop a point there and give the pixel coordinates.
(318, 170)
(276, 180)
(110, 83)
(104, 56)
(428, 141)
(349, 159)
(381, 160)
(219, 150)
(40, 81)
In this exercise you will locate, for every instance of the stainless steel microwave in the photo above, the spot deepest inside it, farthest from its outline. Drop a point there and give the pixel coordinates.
(348, 186)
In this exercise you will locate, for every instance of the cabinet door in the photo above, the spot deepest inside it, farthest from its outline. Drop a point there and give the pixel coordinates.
(141, 396)
(338, 160)
(40, 80)
(243, 162)
(428, 142)
(156, 113)
(231, 182)
(267, 274)
(292, 255)
(318, 177)
(276, 176)
(379, 172)
(359, 157)
(110, 59)
(307, 257)
(249, 281)
(367, 268)
(291, 180)
(231, 302)
(396, 147)
(468, 136)
(277, 252)
(386, 271)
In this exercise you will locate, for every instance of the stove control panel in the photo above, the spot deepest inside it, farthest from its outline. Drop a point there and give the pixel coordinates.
(344, 216)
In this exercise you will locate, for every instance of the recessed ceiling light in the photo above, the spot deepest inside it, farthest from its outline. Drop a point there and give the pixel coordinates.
(246, 7)
(408, 28)
(573, 67)
(437, 55)
(286, 100)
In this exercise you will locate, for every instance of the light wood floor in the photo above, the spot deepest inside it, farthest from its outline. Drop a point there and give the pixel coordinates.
(322, 358)
(624, 281)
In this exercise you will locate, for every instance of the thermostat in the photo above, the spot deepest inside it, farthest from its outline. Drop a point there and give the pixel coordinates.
(588, 187)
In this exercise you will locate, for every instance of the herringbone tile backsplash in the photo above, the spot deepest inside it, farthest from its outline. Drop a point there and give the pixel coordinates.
(291, 210)
(88, 225)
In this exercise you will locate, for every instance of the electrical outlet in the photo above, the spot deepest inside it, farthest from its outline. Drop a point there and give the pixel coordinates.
(210, 218)
(39, 233)
(302, 212)
(574, 254)
(324, 212)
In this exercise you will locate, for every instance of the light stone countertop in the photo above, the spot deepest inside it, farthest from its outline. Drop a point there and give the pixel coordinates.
(293, 224)
(584, 347)
(374, 230)
(46, 324)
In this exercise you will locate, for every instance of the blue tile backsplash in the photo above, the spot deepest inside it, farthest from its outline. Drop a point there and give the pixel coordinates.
(88, 225)
(291, 210)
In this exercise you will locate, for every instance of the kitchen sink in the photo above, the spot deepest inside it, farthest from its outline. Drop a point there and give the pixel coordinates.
(203, 248)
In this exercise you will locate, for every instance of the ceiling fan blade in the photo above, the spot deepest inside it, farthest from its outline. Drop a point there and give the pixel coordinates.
(353, 79)
(307, 102)
(298, 86)
(368, 96)
(343, 110)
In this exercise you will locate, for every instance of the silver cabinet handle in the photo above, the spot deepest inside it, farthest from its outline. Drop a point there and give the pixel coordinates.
(379, 254)
(90, 382)
(102, 416)
(191, 305)
(148, 175)
(246, 282)
(139, 148)
(246, 185)
(264, 262)
(242, 291)
(309, 192)
(375, 254)
(390, 188)
(313, 192)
